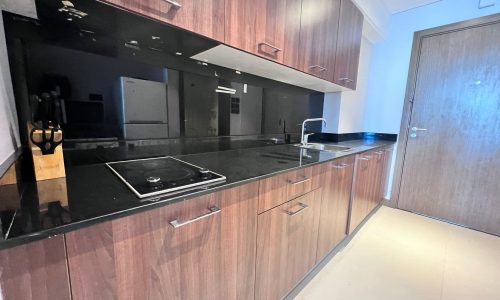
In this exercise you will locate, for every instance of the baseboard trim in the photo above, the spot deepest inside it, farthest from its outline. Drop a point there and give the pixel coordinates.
(322, 263)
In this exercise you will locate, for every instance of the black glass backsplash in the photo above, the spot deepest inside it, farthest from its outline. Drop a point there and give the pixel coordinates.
(122, 76)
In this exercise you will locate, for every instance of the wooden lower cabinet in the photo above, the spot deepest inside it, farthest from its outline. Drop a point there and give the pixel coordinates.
(144, 257)
(37, 270)
(368, 187)
(337, 183)
(286, 245)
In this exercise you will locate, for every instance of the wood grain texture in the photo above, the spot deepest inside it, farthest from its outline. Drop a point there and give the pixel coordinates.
(143, 257)
(348, 45)
(318, 37)
(366, 188)
(258, 26)
(202, 17)
(451, 171)
(336, 186)
(410, 90)
(286, 245)
(37, 270)
(279, 189)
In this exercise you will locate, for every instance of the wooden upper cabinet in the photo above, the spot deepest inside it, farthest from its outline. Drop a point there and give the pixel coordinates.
(208, 254)
(202, 17)
(268, 28)
(348, 45)
(37, 270)
(318, 37)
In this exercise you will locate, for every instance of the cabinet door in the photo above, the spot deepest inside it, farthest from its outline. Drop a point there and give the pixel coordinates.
(144, 257)
(336, 186)
(361, 199)
(286, 245)
(202, 17)
(37, 270)
(348, 45)
(318, 37)
(269, 28)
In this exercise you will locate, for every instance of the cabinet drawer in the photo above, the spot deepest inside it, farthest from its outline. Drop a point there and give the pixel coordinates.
(279, 189)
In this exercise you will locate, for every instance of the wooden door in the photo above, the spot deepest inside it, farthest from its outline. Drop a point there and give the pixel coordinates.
(268, 28)
(348, 45)
(336, 186)
(452, 159)
(37, 270)
(144, 257)
(286, 245)
(318, 37)
(202, 17)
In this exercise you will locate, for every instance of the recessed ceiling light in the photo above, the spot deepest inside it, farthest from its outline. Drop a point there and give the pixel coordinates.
(237, 72)
(69, 19)
(178, 53)
(155, 37)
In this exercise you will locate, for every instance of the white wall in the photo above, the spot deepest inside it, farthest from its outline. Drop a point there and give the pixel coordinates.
(9, 132)
(345, 112)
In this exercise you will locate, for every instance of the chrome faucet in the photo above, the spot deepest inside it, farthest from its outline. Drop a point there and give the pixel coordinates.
(304, 138)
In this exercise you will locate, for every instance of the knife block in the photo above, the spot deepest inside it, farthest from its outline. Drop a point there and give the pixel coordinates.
(48, 166)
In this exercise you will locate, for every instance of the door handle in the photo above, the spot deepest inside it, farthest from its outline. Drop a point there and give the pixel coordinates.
(418, 129)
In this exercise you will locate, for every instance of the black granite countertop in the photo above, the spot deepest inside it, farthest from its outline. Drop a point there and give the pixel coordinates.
(36, 210)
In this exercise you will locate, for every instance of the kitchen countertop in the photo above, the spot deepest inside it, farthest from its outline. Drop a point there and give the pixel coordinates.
(95, 194)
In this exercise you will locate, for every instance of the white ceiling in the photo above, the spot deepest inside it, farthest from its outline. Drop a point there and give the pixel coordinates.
(395, 6)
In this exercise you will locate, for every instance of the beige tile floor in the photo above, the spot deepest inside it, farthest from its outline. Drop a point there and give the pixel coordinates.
(403, 256)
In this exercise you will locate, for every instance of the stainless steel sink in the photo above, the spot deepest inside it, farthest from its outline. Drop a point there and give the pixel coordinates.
(325, 147)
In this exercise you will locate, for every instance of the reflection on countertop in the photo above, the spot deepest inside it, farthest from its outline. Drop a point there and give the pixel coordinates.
(91, 193)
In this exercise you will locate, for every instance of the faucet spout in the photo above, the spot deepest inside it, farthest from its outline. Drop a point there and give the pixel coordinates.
(304, 138)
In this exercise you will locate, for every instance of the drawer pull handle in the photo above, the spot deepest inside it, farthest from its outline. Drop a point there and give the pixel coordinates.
(306, 179)
(321, 69)
(275, 49)
(340, 166)
(346, 79)
(364, 158)
(293, 213)
(174, 3)
(379, 152)
(212, 211)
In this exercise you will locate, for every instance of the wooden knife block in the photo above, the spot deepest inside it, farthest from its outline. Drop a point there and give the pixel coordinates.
(48, 166)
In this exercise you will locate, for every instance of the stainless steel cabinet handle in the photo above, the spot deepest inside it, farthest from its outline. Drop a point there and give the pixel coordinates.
(300, 181)
(380, 152)
(212, 211)
(340, 166)
(275, 49)
(364, 158)
(174, 3)
(346, 79)
(418, 129)
(293, 213)
(321, 69)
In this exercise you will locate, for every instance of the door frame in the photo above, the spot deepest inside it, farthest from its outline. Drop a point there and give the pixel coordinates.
(411, 86)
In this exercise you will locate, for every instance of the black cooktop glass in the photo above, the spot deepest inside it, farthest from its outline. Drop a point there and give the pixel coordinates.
(154, 176)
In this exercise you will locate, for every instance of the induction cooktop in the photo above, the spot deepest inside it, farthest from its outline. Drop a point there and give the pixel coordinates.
(162, 175)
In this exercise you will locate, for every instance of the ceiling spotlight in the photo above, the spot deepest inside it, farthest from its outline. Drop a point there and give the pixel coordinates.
(69, 19)
(178, 53)
(238, 72)
(155, 37)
